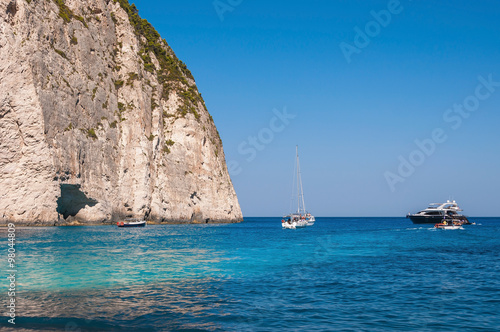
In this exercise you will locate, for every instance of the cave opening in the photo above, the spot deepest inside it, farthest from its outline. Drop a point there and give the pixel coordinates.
(72, 200)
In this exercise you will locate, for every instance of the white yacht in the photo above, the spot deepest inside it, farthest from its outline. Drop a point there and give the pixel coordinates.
(439, 212)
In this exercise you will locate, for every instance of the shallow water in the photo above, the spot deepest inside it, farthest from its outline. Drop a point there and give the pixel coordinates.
(342, 274)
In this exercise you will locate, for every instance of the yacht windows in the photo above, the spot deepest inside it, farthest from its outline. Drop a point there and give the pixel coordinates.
(434, 213)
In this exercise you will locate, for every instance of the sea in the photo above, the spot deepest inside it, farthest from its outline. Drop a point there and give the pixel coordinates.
(342, 274)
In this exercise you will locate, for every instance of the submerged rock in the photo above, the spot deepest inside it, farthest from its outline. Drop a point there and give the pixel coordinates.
(100, 121)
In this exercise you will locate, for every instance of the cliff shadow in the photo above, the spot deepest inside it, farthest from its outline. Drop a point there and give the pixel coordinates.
(72, 200)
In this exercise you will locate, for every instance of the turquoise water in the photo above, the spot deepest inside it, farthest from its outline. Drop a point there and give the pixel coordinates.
(342, 274)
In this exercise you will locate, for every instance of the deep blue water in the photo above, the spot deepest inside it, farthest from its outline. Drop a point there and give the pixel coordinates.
(342, 274)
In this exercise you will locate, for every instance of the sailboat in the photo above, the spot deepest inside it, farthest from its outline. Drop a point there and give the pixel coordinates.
(300, 218)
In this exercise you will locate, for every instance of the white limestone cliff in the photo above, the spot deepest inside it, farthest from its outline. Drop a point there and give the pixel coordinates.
(99, 121)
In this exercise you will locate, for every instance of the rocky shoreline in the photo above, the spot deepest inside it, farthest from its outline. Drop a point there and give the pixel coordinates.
(76, 223)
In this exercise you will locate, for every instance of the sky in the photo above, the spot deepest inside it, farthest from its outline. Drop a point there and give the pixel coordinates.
(393, 104)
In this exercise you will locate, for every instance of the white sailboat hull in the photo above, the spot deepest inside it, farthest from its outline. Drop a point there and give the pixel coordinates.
(294, 225)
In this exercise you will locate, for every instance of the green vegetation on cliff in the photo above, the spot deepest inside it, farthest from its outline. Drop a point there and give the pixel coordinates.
(172, 72)
(66, 14)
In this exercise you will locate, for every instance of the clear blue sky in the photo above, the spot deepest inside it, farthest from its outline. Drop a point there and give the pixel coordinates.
(353, 119)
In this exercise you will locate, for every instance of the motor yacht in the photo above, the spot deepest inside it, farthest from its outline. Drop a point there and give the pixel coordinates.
(438, 212)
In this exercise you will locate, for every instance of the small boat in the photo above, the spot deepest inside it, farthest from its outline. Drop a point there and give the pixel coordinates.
(437, 212)
(443, 226)
(139, 223)
(301, 218)
(446, 225)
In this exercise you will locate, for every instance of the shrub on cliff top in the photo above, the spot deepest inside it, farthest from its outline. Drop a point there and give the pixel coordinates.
(171, 67)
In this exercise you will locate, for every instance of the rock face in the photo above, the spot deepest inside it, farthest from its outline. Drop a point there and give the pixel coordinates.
(99, 121)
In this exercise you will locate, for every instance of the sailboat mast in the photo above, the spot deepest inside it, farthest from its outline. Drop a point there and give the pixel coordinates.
(302, 194)
(300, 189)
(298, 179)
